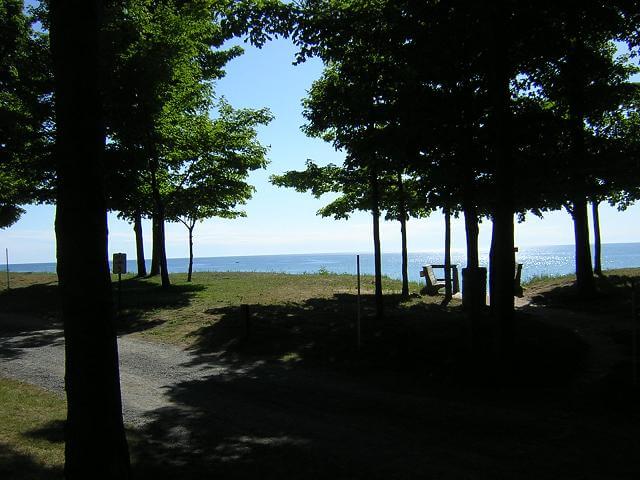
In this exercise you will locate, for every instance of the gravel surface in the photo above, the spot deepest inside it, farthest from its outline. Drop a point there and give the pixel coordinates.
(147, 370)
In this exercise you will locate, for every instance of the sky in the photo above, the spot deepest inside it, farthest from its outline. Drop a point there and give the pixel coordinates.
(282, 221)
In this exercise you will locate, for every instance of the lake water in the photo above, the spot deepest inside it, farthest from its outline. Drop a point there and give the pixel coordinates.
(547, 260)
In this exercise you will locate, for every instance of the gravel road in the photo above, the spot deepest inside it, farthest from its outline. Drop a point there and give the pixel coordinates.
(147, 370)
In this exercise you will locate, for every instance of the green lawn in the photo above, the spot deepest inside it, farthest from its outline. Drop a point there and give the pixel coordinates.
(31, 438)
(309, 322)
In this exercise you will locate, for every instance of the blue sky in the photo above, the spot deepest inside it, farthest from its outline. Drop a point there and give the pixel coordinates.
(282, 221)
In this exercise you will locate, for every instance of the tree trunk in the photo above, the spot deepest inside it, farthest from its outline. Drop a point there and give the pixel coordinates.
(137, 228)
(448, 295)
(158, 216)
(597, 242)
(155, 246)
(375, 211)
(585, 281)
(190, 253)
(95, 443)
(502, 267)
(472, 232)
(403, 234)
(474, 281)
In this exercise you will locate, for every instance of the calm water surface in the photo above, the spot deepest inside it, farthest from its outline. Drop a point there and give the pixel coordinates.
(547, 260)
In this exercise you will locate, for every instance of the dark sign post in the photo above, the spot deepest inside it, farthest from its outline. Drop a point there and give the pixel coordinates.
(119, 266)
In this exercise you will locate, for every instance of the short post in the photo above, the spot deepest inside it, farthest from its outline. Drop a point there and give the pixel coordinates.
(246, 316)
(358, 320)
(119, 292)
(7, 253)
(119, 266)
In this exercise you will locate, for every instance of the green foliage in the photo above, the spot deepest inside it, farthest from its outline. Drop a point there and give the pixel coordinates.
(209, 167)
(25, 113)
(168, 152)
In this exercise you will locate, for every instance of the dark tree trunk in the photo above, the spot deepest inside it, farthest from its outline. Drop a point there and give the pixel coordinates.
(155, 246)
(137, 228)
(472, 232)
(474, 280)
(502, 266)
(164, 270)
(375, 211)
(95, 443)
(585, 281)
(190, 253)
(597, 241)
(158, 217)
(403, 234)
(448, 295)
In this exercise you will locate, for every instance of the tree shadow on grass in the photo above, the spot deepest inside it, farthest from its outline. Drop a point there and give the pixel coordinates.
(139, 296)
(268, 420)
(40, 302)
(52, 432)
(418, 343)
(613, 296)
(15, 465)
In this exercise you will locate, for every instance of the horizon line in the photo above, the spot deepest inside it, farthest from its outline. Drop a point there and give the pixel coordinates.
(440, 250)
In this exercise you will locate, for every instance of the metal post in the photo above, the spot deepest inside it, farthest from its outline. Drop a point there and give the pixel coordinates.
(119, 292)
(358, 322)
(7, 254)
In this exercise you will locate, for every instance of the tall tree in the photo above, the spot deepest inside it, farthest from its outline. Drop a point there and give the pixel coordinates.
(210, 164)
(25, 113)
(95, 443)
(164, 56)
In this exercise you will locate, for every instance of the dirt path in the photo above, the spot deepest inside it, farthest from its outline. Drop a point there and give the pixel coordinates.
(147, 369)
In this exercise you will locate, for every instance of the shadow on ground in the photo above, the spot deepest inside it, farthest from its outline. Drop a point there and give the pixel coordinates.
(269, 420)
(416, 342)
(613, 296)
(18, 466)
(139, 297)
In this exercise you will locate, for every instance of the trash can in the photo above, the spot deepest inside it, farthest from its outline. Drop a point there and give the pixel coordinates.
(474, 288)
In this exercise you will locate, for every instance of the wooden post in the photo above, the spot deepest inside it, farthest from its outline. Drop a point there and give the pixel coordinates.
(358, 320)
(246, 316)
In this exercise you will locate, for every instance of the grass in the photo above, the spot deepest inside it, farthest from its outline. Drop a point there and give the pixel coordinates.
(612, 297)
(309, 321)
(31, 442)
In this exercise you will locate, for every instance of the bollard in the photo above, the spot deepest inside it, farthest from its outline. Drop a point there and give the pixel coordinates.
(246, 316)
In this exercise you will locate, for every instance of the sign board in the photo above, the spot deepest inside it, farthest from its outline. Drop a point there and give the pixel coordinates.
(119, 263)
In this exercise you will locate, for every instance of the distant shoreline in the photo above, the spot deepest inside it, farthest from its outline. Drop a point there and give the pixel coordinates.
(550, 260)
(415, 252)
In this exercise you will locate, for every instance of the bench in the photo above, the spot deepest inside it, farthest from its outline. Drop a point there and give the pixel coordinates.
(434, 284)
(517, 288)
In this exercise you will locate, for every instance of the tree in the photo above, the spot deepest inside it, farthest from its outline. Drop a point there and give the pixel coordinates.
(25, 113)
(583, 80)
(129, 193)
(95, 443)
(164, 57)
(210, 166)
